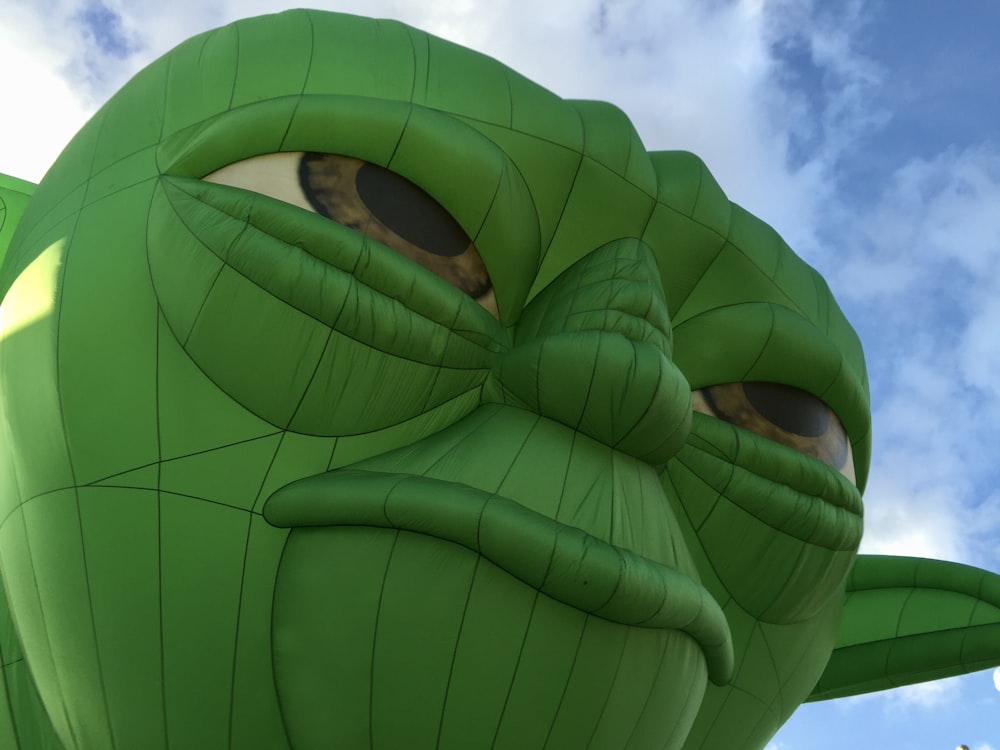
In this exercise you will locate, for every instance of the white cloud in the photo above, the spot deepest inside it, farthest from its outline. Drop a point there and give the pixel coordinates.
(921, 265)
(979, 350)
(910, 699)
(42, 110)
(925, 695)
(697, 76)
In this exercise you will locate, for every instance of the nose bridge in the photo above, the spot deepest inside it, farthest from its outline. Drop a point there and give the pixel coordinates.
(615, 288)
(592, 351)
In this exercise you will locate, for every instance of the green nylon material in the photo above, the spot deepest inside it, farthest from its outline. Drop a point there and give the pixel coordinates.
(910, 620)
(14, 195)
(266, 482)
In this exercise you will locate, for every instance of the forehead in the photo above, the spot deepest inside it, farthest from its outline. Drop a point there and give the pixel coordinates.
(309, 53)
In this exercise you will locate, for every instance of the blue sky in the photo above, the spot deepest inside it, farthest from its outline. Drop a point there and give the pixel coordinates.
(864, 131)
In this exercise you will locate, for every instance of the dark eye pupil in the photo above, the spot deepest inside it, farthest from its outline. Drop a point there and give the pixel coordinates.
(409, 211)
(781, 413)
(790, 409)
(389, 209)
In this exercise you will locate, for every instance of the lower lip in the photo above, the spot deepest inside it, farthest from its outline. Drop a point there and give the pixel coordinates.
(561, 561)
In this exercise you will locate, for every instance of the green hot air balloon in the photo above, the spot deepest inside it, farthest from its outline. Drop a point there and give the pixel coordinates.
(360, 393)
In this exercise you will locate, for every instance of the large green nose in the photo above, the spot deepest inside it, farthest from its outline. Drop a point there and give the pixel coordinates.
(592, 351)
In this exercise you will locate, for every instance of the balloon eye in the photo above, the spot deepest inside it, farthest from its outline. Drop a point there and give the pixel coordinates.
(783, 414)
(376, 202)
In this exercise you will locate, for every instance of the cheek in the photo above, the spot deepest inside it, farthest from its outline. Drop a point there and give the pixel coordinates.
(300, 374)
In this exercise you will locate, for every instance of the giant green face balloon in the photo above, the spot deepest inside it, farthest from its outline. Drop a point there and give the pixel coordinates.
(360, 393)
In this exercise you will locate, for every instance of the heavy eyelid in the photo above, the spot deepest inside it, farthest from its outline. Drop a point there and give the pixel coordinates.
(704, 402)
(766, 342)
(286, 177)
(465, 169)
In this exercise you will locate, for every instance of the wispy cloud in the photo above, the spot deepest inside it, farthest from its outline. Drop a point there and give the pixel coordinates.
(41, 108)
(925, 695)
(103, 27)
(908, 701)
(103, 44)
(919, 270)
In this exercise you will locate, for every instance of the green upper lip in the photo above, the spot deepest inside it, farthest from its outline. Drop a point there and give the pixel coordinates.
(561, 561)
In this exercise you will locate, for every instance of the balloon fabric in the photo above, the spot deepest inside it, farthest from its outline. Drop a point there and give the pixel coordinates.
(358, 392)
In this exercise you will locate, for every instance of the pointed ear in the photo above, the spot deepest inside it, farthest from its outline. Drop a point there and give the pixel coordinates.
(908, 620)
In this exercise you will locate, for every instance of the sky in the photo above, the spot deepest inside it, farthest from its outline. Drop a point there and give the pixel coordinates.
(865, 131)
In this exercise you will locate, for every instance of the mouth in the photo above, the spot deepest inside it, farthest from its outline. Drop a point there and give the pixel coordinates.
(559, 560)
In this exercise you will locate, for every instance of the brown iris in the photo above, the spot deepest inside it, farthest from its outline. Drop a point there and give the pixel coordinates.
(781, 413)
(392, 210)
